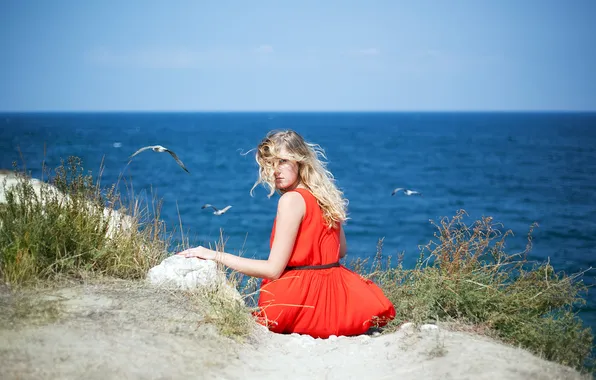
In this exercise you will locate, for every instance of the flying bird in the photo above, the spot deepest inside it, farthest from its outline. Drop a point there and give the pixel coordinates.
(405, 191)
(217, 211)
(161, 149)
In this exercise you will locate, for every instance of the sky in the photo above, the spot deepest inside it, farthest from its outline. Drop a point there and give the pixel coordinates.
(178, 55)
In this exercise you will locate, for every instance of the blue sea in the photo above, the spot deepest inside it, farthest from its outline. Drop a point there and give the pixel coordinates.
(519, 168)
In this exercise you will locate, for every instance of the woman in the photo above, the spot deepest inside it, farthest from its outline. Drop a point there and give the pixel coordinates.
(305, 290)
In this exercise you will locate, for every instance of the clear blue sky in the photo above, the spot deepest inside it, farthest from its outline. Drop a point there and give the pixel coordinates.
(297, 55)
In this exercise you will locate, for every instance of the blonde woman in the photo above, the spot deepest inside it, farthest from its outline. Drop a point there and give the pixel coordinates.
(305, 290)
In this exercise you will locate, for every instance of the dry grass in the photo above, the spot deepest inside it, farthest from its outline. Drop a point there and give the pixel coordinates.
(464, 276)
(74, 229)
(229, 305)
(74, 226)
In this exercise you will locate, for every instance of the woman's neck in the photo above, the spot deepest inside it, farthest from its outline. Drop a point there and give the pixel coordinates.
(298, 185)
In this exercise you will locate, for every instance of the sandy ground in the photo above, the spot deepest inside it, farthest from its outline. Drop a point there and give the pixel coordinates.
(131, 330)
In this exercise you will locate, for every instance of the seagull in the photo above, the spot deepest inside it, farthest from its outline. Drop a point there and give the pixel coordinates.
(217, 211)
(405, 191)
(161, 149)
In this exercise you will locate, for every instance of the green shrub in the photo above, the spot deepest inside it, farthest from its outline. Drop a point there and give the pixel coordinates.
(465, 276)
(72, 226)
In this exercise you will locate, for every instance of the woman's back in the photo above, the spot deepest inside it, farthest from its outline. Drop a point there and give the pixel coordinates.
(316, 244)
(323, 301)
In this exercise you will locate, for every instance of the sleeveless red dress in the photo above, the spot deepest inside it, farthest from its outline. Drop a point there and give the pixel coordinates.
(320, 302)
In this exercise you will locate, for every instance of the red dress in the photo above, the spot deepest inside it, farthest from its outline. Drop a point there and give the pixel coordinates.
(320, 302)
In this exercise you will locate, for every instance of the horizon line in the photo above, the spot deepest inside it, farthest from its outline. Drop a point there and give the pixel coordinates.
(303, 111)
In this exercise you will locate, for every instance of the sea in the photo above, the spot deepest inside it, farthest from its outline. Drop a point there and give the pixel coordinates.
(520, 168)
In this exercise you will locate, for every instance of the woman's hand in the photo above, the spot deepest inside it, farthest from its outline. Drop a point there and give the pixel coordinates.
(199, 252)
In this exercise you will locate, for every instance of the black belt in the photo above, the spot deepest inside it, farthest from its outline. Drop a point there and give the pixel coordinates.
(304, 267)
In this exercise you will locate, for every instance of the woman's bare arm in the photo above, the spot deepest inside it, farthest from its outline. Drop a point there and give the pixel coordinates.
(290, 211)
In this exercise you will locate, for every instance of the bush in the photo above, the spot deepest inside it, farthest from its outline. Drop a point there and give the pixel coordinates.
(464, 276)
(72, 227)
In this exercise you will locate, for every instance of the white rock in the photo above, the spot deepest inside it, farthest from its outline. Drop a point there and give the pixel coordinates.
(191, 273)
(10, 180)
(117, 221)
(428, 327)
(184, 273)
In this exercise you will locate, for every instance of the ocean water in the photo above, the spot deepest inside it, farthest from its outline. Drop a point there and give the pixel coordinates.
(519, 168)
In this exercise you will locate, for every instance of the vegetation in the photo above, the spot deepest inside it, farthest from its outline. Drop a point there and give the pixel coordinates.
(229, 305)
(73, 227)
(465, 278)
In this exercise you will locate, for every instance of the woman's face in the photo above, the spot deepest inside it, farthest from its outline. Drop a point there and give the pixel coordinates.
(286, 172)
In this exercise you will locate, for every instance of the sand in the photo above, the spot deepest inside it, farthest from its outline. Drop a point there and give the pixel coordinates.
(132, 330)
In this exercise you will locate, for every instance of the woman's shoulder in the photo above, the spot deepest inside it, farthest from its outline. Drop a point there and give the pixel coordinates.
(291, 196)
(292, 200)
(307, 196)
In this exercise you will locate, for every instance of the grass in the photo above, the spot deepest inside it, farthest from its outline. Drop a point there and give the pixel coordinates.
(75, 227)
(229, 309)
(464, 277)
(230, 315)
(72, 227)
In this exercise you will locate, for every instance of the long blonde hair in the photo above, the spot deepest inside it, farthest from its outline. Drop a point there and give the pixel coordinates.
(312, 172)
